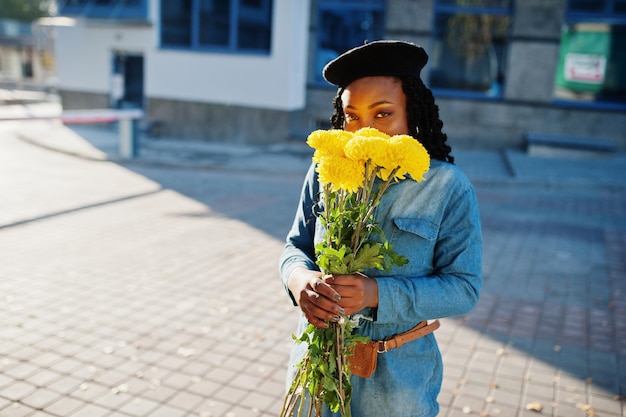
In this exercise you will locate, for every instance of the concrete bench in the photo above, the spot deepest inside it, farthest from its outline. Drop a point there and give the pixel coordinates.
(565, 145)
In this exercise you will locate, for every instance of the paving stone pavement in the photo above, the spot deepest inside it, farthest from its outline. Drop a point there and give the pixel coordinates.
(150, 287)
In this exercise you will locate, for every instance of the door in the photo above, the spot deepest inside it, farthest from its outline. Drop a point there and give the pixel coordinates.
(127, 81)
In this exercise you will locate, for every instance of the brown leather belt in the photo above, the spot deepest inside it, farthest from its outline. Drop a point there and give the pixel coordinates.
(365, 355)
(422, 329)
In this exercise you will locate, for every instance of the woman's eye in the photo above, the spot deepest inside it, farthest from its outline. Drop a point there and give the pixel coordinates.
(350, 117)
(383, 114)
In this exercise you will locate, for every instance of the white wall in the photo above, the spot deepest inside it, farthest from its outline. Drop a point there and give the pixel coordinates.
(276, 81)
(84, 53)
(10, 63)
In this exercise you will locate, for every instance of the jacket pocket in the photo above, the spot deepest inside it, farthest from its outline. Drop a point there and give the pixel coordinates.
(415, 238)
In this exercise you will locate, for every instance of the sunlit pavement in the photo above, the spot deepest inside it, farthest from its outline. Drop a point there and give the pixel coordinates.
(150, 287)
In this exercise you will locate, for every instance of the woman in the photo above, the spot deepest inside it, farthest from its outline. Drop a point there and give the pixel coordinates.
(433, 223)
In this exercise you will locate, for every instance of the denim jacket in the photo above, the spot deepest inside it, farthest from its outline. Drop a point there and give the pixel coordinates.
(435, 224)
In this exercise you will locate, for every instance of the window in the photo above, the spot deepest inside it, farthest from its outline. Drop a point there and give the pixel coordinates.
(343, 25)
(592, 57)
(599, 7)
(470, 47)
(176, 22)
(223, 25)
(105, 9)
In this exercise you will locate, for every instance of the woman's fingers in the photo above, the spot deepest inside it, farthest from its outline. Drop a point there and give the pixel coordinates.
(323, 288)
(319, 305)
(357, 291)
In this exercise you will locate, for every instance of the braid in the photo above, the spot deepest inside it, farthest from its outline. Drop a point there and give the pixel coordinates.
(422, 114)
(337, 119)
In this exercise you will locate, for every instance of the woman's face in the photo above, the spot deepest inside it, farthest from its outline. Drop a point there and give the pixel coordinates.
(377, 102)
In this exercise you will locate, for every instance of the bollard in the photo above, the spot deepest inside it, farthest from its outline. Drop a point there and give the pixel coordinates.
(128, 138)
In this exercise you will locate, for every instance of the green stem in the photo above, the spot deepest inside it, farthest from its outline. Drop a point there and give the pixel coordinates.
(290, 397)
(368, 186)
(327, 209)
(338, 356)
(381, 191)
(297, 391)
(342, 201)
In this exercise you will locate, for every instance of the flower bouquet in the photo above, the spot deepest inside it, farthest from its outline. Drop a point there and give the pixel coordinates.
(355, 169)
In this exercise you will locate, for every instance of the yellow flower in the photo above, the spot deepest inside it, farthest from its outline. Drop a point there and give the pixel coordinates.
(341, 172)
(411, 156)
(364, 148)
(341, 156)
(371, 133)
(328, 142)
(375, 146)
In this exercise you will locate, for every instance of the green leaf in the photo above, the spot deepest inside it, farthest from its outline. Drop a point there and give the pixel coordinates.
(329, 384)
(369, 256)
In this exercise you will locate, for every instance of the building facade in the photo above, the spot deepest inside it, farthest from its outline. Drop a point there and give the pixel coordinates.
(249, 71)
(20, 64)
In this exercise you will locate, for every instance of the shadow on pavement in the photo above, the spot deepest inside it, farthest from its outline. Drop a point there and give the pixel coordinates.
(554, 253)
(553, 257)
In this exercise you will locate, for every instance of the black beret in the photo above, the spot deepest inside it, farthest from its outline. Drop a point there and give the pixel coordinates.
(387, 58)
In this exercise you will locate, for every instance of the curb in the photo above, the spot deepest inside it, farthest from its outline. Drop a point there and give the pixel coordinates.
(507, 167)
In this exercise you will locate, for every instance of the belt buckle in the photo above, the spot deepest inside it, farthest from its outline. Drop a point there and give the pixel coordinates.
(382, 346)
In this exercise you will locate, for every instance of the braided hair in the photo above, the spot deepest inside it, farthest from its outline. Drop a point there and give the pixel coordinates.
(422, 117)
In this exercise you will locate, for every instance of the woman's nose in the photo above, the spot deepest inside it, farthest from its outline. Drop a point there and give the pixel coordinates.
(367, 122)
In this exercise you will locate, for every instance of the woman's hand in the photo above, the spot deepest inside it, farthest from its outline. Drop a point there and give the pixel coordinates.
(357, 291)
(324, 299)
(316, 298)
